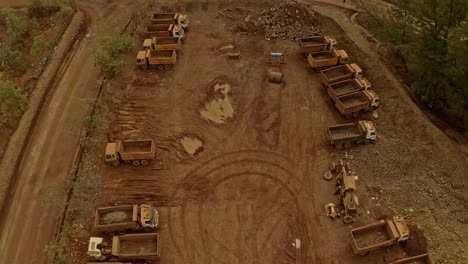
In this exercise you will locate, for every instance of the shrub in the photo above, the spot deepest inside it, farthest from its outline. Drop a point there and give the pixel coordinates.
(12, 102)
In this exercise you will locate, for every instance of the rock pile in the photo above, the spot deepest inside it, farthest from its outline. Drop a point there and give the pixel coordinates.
(289, 20)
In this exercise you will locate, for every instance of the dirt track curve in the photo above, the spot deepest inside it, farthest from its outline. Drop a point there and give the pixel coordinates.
(28, 226)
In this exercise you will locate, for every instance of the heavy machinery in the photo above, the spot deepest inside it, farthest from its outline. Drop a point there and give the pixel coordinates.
(351, 105)
(135, 152)
(170, 18)
(160, 59)
(340, 73)
(422, 259)
(123, 218)
(347, 87)
(324, 59)
(143, 246)
(162, 43)
(361, 132)
(380, 234)
(163, 30)
(346, 189)
(316, 44)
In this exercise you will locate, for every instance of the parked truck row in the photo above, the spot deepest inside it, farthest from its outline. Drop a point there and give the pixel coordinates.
(163, 38)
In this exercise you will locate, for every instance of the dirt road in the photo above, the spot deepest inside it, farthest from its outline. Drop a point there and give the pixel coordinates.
(28, 226)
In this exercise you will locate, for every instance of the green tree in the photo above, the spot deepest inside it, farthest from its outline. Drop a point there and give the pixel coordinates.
(18, 27)
(11, 59)
(12, 102)
(40, 49)
(109, 54)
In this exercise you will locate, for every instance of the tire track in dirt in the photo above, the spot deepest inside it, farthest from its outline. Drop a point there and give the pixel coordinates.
(280, 174)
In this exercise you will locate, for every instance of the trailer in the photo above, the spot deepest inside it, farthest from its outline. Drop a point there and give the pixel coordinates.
(170, 18)
(383, 233)
(163, 30)
(324, 59)
(162, 43)
(124, 218)
(136, 152)
(340, 73)
(422, 259)
(160, 59)
(347, 87)
(351, 105)
(316, 44)
(361, 132)
(136, 246)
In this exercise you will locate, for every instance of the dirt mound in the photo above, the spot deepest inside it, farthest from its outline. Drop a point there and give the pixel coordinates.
(116, 217)
(290, 20)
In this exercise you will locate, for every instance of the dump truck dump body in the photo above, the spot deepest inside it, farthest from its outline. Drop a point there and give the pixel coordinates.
(352, 104)
(358, 132)
(163, 30)
(316, 44)
(137, 149)
(347, 87)
(340, 73)
(322, 59)
(116, 218)
(170, 18)
(421, 259)
(162, 43)
(136, 246)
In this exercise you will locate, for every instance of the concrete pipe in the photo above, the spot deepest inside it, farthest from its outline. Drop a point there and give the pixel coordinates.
(276, 77)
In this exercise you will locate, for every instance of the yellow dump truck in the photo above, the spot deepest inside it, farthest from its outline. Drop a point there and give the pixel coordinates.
(351, 105)
(422, 259)
(383, 233)
(316, 44)
(135, 152)
(361, 132)
(340, 73)
(324, 59)
(123, 218)
(162, 43)
(144, 246)
(159, 59)
(163, 30)
(170, 18)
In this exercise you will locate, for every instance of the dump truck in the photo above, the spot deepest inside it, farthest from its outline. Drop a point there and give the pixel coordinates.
(351, 105)
(422, 259)
(347, 87)
(380, 234)
(170, 18)
(163, 30)
(324, 59)
(316, 44)
(144, 246)
(162, 43)
(160, 59)
(135, 152)
(124, 218)
(340, 73)
(361, 132)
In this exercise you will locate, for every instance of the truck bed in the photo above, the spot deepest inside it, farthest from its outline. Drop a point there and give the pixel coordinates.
(352, 100)
(345, 87)
(334, 72)
(136, 146)
(114, 217)
(322, 55)
(161, 53)
(371, 237)
(344, 131)
(136, 245)
(163, 16)
(157, 27)
(306, 42)
(167, 41)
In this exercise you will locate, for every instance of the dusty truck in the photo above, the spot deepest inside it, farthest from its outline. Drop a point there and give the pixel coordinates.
(135, 152)
(347, 87)
(324, 59)
(170, 18)
(316, 44)
(422, 259)
(144, 246)
(163, 30)
(160, 59)
(123, 218)
(162, 43)
(340, 73)
(351, 105)
(361, 132)
(380, 234)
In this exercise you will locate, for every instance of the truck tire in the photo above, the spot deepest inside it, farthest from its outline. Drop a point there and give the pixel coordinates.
(348, 116)
(167, 67)
(116, 163)
(328, 175)
(366, 142)
(347, 144)
(160, 67)
(338, 146)
(355, 114)
(347, 219)
(144, 162)
(147, 229)
(136, 162)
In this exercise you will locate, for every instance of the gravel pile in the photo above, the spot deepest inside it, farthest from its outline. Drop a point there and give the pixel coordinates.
(116, 217)
(290, 20)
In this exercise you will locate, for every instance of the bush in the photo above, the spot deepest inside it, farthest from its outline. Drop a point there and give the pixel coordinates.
(17, 27)
(11, 59)
(38, 10)
(12, 102)
(108, 56)
(40, 49)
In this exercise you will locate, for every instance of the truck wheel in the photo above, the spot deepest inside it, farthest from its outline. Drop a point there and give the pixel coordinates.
(363, 254)
(347, 145)
(348, 116)
(328, 175)
(167, 66)
(136, 162)
(372, 141)
(338, 146)
(347, 219)
(147, 229)
(160, 67)
(115, 163)
(355, 114)
(144, 162)
(366, 142)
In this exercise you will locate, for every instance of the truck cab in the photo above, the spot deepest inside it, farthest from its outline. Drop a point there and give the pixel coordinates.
(357, 71)
(96, 248)
(177, 31)
(149, 217)
(332, 43)
(148, 44)
(375, 99)
(364, 83)
(401, 228)
(183, 21)
(112, 155)
(141, 59)
(369, 129)
(342, 56)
